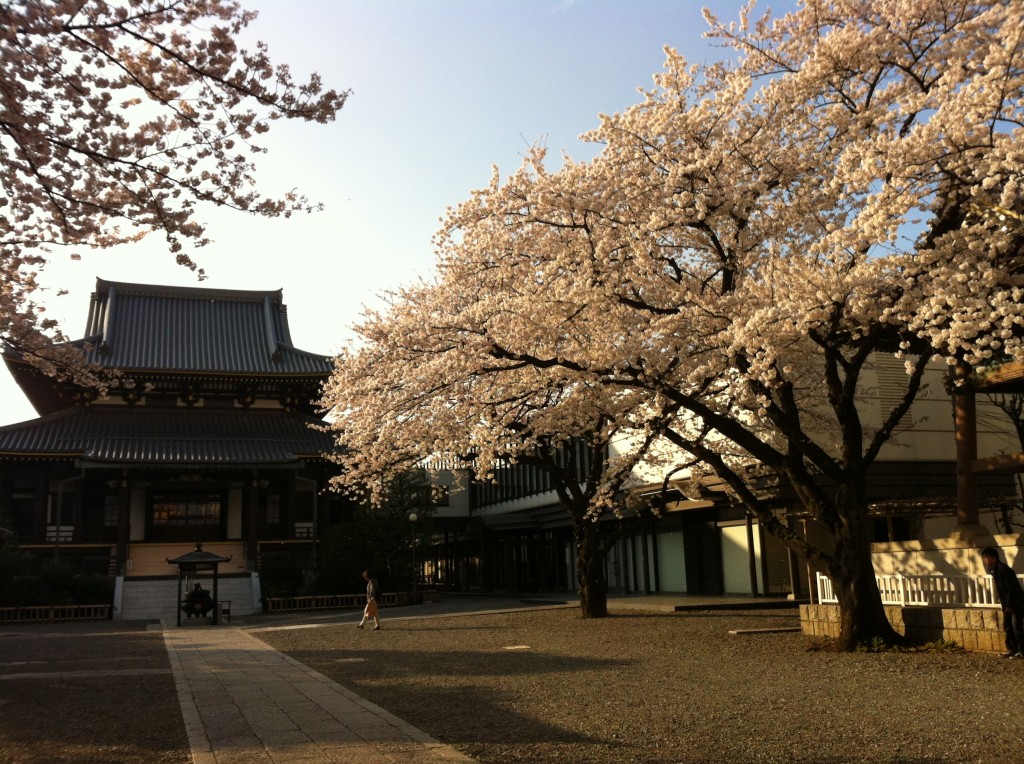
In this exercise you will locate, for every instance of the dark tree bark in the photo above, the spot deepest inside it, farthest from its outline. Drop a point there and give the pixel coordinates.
(862, 615)
(590, 558)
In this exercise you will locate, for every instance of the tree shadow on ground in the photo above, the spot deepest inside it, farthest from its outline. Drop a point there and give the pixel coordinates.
(458, 695)
(428, 663)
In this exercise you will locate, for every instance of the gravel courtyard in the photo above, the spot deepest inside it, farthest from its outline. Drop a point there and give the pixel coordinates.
(548, 686)
(541, 686)
(96, 691)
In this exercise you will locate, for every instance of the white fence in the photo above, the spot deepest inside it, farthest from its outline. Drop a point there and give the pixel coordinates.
(933, 591)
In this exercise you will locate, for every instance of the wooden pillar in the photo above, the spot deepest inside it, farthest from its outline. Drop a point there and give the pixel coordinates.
(812, 582)
(652, 565)
(633, 585)
(966, 427)
(124, 522)
(751, 554)
(77, 507)
(764, 559)
(795, 580)
(252, 524)
(645, 583)
(40, 508)
(216, 595)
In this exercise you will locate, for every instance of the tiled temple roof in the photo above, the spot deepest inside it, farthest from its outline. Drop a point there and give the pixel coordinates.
(144, 327)
(178, 437)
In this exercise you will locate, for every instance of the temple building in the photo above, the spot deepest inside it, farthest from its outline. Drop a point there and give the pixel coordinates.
(209, 438)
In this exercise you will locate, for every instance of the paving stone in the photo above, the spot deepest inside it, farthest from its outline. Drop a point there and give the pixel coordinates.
(245, 702)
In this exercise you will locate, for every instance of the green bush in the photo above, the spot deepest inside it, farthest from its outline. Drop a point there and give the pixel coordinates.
(92, 590)
(58, 580)
(282, 578)
(12, 566)
(52, 584)
(29, 591)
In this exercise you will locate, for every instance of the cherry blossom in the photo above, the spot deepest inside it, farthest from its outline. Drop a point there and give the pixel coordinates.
(750, 237)
(119, 119)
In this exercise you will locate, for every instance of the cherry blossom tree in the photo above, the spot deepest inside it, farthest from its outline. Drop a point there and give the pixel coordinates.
(753, 233)
(423, 388)
(123, 118)
(750, 237)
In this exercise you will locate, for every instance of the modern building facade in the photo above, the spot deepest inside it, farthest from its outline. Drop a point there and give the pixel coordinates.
(514, 536)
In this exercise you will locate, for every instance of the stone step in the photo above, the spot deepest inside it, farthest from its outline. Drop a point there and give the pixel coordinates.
(151, 599)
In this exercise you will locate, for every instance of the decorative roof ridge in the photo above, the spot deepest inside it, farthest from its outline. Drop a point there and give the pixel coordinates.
(286, 348)
(103, 286)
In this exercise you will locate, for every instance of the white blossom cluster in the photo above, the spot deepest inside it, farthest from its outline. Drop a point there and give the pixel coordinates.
(122, 118)
(750, 234)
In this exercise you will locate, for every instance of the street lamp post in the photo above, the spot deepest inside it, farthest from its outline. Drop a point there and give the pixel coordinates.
(412, 519)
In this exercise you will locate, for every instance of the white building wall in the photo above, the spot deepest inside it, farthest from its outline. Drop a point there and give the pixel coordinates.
(671, 562)
(736, 560)
(927, 431)
(925, 435)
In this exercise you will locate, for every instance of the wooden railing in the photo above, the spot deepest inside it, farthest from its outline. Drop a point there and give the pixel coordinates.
(926, 591)
(45, 613)
(331, 601)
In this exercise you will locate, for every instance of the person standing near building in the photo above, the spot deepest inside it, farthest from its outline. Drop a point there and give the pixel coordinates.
(372, 595)
(1011, 597)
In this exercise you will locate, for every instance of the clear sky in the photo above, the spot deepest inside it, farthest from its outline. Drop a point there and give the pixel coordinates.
(442, 90)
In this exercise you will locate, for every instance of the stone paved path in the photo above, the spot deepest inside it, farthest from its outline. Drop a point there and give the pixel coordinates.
(245, 703)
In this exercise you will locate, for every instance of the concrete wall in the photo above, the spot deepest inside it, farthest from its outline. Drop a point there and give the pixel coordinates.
(950, 556)
(927, 431)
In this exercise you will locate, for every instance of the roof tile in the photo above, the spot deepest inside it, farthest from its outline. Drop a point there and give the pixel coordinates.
(167, 436)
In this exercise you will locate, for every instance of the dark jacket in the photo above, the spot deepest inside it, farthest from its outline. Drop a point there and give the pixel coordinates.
(1011, 595)
(372, 589)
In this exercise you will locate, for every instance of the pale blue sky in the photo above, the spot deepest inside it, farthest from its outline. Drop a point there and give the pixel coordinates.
(442, 89)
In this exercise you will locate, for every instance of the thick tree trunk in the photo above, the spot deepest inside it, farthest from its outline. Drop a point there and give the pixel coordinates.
(590, 570)
(862, 615)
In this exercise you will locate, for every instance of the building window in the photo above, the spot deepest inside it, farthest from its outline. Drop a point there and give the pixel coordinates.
(110, 505)
(272, 509)
(192, 510)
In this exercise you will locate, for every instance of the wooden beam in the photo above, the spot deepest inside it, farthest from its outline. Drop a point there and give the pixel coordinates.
(1007, 376)
(1004, 463)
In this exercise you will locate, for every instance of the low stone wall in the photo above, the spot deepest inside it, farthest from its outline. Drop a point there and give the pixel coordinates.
(974, 629)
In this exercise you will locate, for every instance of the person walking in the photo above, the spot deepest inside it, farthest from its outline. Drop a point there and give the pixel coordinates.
(372, 595)
(1011, 597)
